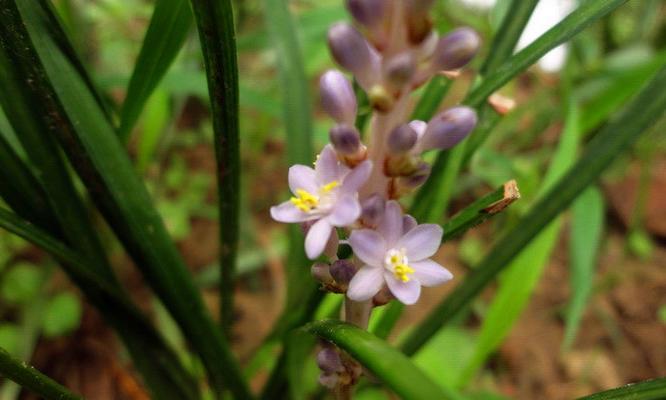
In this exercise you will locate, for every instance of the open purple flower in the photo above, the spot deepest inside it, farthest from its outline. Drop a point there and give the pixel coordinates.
(327, 194)
(398, 254)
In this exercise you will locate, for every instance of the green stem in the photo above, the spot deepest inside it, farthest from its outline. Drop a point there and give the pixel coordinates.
(32, 379)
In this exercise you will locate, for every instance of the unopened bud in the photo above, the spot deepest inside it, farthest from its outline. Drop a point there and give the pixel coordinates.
(456, 49)
(448, 128)
(350, 49)
(408, 223)
(402, 139)
(343, 271)
(372, 210)
(321, 272)
(380, 99)
(345, 139)
(337, 97)
(400, 70)
(407, 184)
(368, 12)
(328, 360)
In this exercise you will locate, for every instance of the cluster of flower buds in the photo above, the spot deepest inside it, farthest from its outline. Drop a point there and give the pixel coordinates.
(351, 194)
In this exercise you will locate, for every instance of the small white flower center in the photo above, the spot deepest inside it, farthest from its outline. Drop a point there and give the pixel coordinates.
(397, 262)
(322, 200)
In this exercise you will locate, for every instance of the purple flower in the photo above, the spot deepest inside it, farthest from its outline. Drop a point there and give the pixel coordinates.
(398, 254)
(327, 195)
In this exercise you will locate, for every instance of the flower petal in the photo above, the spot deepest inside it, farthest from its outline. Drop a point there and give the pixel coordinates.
(369, 246)
(347, 210)
(286, 212)
(407, 292)
(302, 177)
(327, 166)
(408, 223)
(430, 273)
(391, 225)
(317, 237)
(421, 242)
(365, 283)
(357, 177)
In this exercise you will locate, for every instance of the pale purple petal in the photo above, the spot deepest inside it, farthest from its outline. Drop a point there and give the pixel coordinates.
(421, 242)
(366, 283)
(419, 127)
(407, 292)
(327, 166)
(391, 225)
(286, 212)
(317, 237)
(429, 273)
(357, 177)
(369, 246)
(408, 223)
(347, 210)
(302, 177)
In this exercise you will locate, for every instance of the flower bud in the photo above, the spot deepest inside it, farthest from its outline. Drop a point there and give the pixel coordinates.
(402, 139)
(337, 97)
(407, 184)
(350, 49)
(400, 70)
(328, 360)
(448, 128)
(368, 12)
(372, 210)
(380, 99)
(456, 49)
(321, 272)
(343, 271)
(345, 139)
(328, 380)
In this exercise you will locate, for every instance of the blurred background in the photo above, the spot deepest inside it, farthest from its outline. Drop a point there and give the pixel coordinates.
(586, 312)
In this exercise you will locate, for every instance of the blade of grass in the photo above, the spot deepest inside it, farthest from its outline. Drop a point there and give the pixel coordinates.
(103, 165)
(163, 371)
(215, 22)
(391, 367)
(653, 389)
(471, 216)
(165, 36)
(587, 222)
(617, 136)
(432, 97)
(519, 280)
(32, 379)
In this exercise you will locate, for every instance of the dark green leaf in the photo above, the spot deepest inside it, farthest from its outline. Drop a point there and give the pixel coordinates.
(654, 389)
(216, 33)
(388, 365)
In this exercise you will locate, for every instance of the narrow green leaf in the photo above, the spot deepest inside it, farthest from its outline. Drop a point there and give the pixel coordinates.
(165, 375)
(103, 165)
(587, 222)
(519, 280)
(618, 135)
(391, 367)
(166, 34)
(154, 123)
(32, 379)
(216, 33)
(654, 389)
(432, 97)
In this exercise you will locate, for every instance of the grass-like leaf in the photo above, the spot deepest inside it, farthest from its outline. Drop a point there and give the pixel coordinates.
(100, 160)
(391, 367)
(587, 225)
(160, 366)
(215, 22)
(654, 389)
(166, 34)
(32, 379)
(616, 137)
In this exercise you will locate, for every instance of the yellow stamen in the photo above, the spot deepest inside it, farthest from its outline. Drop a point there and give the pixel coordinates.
(401, 271)
(330, 186)
(304, 200)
